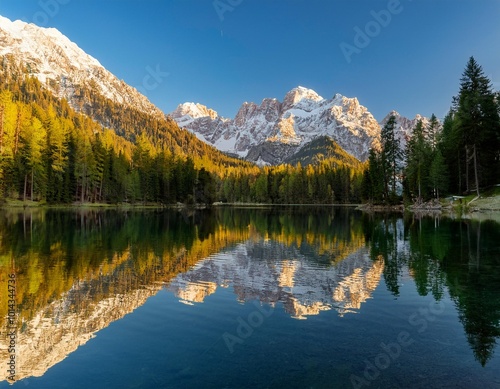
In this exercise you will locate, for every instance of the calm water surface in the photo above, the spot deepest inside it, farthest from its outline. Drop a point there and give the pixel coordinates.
(246, 298)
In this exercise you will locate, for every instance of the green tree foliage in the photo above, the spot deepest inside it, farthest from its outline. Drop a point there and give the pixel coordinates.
(425, 173)
(438, 175)
(384, 167)
(477, 129)
(323, 183)
(418, 155)
(49, 152)
(390, 155)
(373, 178)
(431, 131)
(111, 153)
(31, 150)
(461, 156)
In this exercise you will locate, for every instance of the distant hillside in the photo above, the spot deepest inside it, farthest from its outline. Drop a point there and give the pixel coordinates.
(51, 153)
(67, 73)
(323, 149)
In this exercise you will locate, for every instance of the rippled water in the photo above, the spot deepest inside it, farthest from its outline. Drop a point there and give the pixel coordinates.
(232, 298)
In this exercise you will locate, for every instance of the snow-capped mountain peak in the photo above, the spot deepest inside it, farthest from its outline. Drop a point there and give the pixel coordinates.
(301, 98)
(187, 113)
(63, 67)
(257, 131)
(195, 110)
(26, 39)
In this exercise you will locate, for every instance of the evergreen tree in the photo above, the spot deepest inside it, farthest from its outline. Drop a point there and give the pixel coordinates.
(391, 154)
(31, 153)
(418, 156)
(452, 150)
(438, 174)
(373, 178)
(478, 126)
(431, 131)
(261, 191)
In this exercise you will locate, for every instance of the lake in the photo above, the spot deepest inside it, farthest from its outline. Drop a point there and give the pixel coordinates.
(247, 298)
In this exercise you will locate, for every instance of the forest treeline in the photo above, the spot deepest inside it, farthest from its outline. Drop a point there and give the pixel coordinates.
(461, 156)
(50, 152)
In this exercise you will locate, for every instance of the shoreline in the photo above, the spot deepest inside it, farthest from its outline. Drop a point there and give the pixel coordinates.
(478, 210)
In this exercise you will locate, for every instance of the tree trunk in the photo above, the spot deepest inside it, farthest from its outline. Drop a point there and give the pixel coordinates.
(475, 170)
(32, 184)
(394, 176)
(25, 186)
(466, 169)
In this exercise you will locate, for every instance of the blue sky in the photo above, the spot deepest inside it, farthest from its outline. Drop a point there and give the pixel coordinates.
(409, 55)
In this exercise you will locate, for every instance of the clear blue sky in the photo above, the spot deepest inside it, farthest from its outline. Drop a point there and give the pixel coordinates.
(251, 49)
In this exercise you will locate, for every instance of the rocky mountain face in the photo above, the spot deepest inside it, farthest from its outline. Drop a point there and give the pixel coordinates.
(65, 69)
(274, 131)
(270, 133)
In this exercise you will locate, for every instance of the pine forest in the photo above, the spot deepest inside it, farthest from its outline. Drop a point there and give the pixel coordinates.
(103, 152)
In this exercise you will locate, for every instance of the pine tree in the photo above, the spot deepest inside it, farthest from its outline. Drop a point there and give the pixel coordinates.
(438, 175)
(373, 179)
(431, 131)
(390, 157)
(478, 126)
(451, 146)
(418, 156)
(261, 192)
(33, 139)
(8, 115)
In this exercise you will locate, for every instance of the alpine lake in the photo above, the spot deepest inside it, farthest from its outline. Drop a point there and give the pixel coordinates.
(291, 297)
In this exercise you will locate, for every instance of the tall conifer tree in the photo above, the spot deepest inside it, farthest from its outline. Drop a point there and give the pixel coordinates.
(390, 158)
(478, 127)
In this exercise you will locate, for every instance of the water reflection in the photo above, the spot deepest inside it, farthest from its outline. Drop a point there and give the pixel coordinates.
(460, 256)
(272, 272)
(77, 272)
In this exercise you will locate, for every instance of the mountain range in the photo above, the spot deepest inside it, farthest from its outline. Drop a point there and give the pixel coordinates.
(268, 133)
(273, 132)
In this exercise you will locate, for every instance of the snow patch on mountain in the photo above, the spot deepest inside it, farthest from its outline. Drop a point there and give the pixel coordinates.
(63, 67)
(257, 130)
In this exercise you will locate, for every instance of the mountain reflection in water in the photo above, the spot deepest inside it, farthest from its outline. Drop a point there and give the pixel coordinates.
(273, 272)
(79, 271)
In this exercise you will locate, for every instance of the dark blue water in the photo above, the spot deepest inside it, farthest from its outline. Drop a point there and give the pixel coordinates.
(254, 299)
